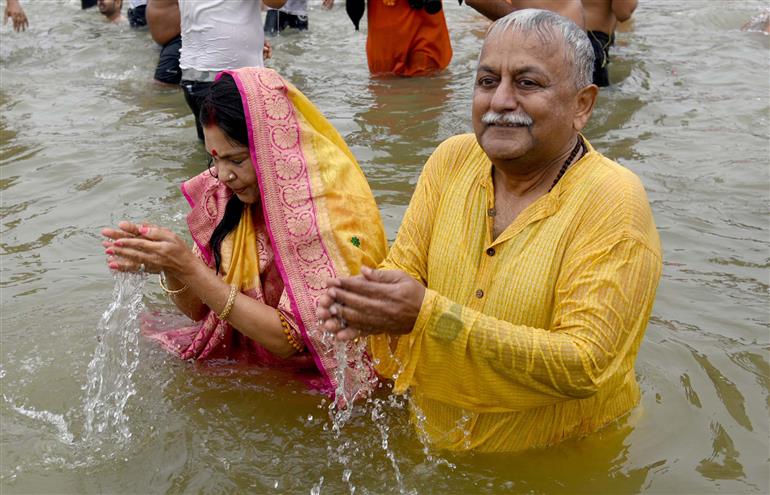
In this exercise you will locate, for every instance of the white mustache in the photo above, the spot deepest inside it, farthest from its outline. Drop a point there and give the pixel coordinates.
(508, 118)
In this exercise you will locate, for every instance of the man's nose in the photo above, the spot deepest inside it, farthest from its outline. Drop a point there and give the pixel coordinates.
(504, 98)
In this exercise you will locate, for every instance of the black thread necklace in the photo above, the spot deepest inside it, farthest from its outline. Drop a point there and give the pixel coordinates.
(578, 146)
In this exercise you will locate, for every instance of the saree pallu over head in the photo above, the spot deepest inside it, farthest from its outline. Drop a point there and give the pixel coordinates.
(319, 214)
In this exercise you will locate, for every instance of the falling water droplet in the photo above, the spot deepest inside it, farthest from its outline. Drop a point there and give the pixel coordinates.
(109, 382)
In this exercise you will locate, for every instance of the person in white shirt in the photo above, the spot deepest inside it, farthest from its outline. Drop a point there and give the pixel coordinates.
(218, 35)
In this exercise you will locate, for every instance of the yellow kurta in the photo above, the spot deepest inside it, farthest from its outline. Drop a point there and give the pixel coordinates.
(528, 339)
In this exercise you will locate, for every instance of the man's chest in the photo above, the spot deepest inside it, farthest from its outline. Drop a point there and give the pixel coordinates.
(512, 277)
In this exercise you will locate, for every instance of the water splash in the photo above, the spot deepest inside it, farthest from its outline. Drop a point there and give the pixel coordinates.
(316, 490)
(56, 420)
(353, 383)
(379, 418)
(109, 379)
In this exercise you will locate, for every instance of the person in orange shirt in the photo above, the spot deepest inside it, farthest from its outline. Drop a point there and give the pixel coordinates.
(407, 37)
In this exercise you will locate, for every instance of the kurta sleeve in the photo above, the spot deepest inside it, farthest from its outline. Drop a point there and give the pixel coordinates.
(468, 359)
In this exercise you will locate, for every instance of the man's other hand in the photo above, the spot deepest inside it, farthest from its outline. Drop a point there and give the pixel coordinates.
(377, 301)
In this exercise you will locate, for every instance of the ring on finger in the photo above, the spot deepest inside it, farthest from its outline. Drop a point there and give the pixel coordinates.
(343, 323)
(141, 267)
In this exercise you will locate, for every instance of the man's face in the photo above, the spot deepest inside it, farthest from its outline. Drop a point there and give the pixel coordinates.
(523, 76)
(109, 7)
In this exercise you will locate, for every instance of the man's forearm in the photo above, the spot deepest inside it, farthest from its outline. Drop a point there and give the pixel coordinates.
(492, 9)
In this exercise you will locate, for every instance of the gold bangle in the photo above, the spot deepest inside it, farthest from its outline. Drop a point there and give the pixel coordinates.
(289, 336)
(168, 291)
(230, 303)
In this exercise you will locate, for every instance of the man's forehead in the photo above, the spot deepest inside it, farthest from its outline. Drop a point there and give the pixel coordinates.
(547, 40)
(510, 47)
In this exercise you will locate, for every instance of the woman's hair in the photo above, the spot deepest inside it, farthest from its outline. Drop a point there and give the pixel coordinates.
(222, 107)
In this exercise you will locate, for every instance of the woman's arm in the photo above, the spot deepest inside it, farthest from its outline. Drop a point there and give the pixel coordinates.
(187, 301)
(254, 319)
(159, 249)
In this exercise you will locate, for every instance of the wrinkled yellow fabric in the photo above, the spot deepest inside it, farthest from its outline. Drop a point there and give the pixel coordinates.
(354, 235)
(240, 261)
(528, 339)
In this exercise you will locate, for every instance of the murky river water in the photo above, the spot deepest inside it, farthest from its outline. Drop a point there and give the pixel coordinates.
(86, 140)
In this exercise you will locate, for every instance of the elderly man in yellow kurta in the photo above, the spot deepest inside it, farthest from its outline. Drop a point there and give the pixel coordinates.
(514, 300)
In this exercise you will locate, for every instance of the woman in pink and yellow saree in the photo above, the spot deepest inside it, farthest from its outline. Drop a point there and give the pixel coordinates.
(283, 207)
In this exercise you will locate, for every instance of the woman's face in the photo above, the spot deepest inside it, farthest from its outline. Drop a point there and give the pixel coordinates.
(232, 163)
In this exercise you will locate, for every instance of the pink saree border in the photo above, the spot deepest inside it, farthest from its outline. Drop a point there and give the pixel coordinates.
(203, 248)
(303, 271)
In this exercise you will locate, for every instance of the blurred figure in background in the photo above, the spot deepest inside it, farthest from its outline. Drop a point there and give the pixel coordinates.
(16, 13)
(407, 38)
(110, 9)
(219, 35)
(136, 14)
(292, 15)
(163, 19)
(495, 9)
(760, 23)
(601, 18)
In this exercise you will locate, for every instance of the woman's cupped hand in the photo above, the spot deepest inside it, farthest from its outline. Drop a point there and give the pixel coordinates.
(134, 247)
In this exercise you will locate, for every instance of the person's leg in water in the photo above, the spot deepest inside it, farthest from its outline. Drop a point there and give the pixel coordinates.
(137, 17)
(168, 71)
(298, 22)
(277, 20)
(601, 43)
(194, 93)
(272, 20)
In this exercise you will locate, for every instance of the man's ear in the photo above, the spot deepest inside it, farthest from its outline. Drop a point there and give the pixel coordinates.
(585, 99)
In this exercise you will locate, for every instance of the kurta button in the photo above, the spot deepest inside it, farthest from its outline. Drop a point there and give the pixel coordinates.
(479, 293)
(491, 251)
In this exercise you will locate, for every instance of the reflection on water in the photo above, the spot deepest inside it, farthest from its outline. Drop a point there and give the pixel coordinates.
(86, 139)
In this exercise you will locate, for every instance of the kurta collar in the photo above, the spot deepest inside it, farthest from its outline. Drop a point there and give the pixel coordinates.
(544, 206)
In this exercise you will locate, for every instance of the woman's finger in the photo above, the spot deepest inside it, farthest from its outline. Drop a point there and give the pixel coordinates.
(155, 233)
(138, 244)
(134, 262)
(115, 233)
(129, 227)
(122, 265)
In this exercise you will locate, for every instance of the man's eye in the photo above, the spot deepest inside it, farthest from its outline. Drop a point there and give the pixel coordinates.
(486, 82)
(528, 83)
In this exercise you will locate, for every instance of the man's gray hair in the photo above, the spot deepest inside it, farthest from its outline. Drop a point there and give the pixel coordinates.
(545, 24)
